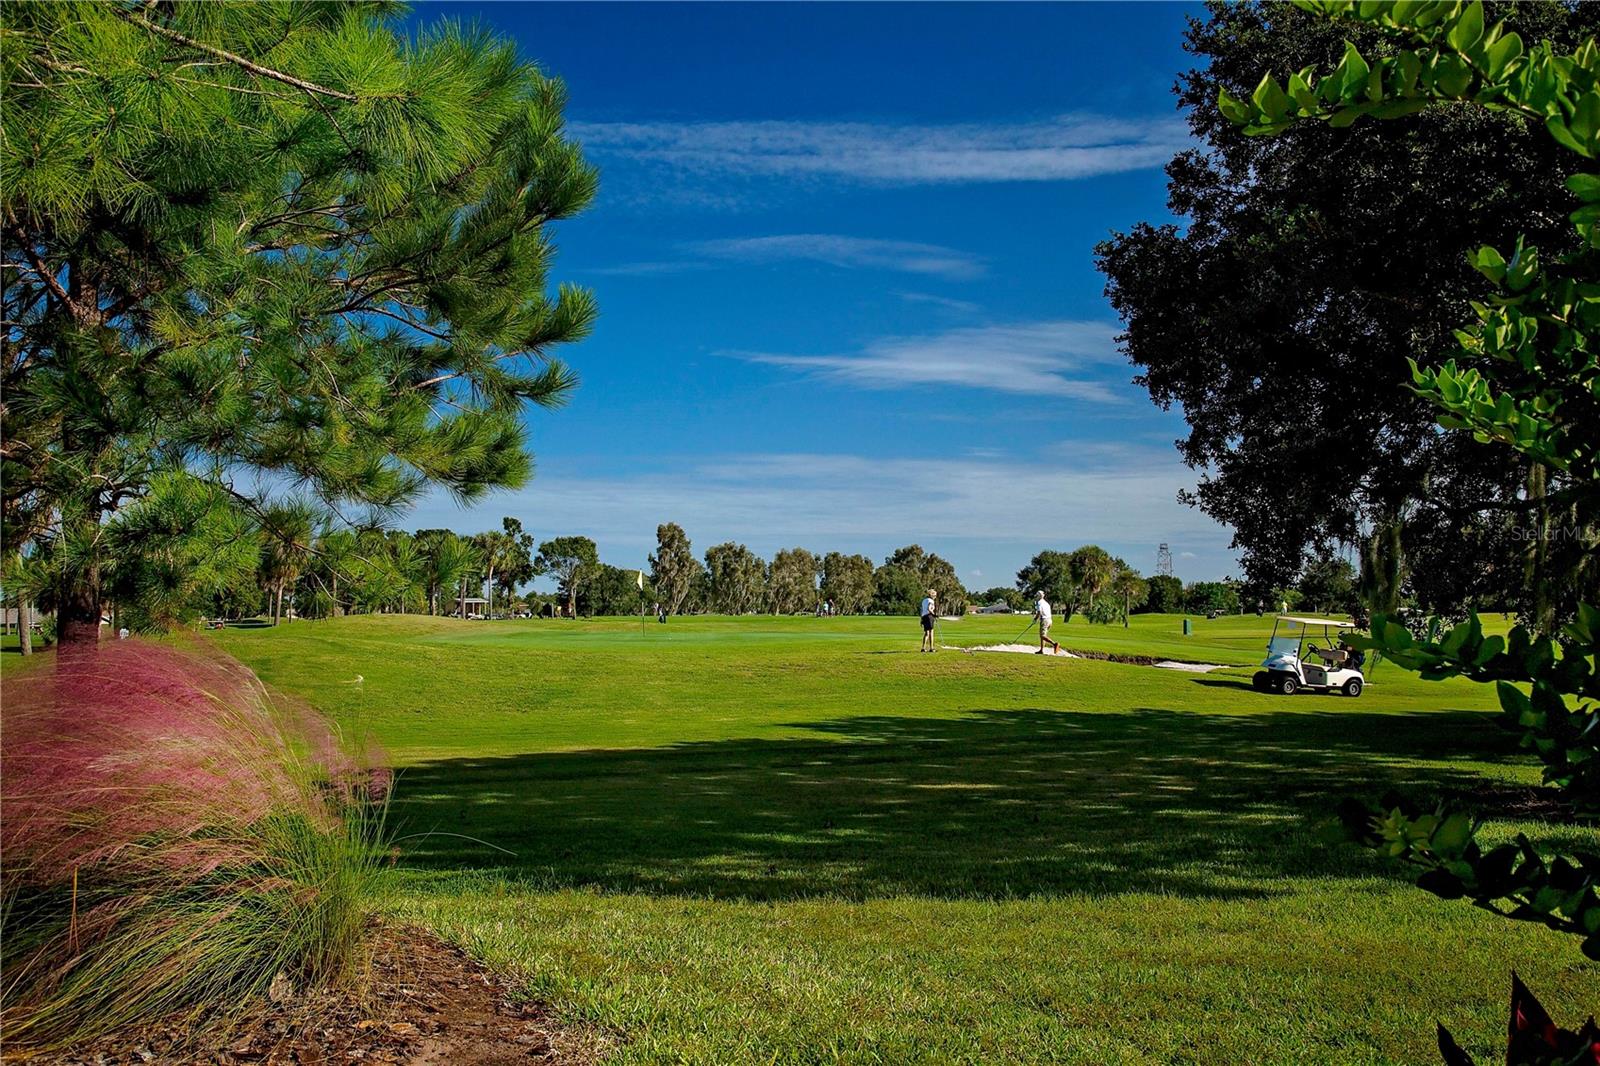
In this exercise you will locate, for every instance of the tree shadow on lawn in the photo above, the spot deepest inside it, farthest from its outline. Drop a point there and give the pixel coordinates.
(996, 804)
(1228, 682)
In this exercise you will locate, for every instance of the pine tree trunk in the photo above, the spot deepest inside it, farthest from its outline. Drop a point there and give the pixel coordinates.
(78, 613)
(78, 599)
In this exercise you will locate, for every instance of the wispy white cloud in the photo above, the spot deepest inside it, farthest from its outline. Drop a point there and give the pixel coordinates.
(1059, 358)
(965, 307)
(1058, 149)
(651, 267)
(993, 511)
(909, 257)
(855, 253)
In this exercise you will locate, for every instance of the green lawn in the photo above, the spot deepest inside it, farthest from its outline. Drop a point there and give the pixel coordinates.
(798, 840)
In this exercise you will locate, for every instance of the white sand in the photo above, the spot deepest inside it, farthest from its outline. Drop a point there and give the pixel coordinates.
(1016, 649)
(1032, 649)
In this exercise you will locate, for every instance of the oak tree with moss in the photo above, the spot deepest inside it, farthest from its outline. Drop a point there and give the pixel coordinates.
(1525, 377)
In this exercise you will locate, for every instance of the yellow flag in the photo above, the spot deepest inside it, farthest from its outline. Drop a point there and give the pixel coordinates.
(641, 580)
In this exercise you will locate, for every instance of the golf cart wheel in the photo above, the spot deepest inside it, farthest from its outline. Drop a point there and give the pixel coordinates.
(1287, 684)
(1353, 687)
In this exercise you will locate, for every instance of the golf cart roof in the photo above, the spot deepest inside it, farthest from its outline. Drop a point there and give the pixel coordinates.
(1316, 621)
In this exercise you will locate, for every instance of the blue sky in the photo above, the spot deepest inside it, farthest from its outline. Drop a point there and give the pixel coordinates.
(843, 255)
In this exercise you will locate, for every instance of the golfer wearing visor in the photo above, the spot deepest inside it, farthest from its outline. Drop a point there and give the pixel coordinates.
(928, 617)
(1041, 612)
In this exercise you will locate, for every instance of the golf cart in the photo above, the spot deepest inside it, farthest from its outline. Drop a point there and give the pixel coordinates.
(1296, 661)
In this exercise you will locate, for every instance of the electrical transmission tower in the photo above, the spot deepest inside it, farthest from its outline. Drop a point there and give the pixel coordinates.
(1164, 561)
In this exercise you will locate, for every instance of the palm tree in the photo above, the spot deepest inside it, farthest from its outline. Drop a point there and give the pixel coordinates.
(499, 550)
(24, 581)
(1092, 570)
(452, 560)
(406, 565)
(288, 529)
(1130, 586)
(336, 551)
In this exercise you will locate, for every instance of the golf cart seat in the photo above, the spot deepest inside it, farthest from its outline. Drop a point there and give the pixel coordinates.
(1334, 657)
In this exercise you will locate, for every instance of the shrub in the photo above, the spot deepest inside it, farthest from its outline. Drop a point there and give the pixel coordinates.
(1533, 1038)
(175, 837)
(1106, 611)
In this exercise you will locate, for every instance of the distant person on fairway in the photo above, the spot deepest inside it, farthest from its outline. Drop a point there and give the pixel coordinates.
(928, 617)
(1041, 611)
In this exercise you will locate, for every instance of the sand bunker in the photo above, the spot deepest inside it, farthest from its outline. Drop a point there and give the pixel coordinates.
(1033, 649)
(1016, 649)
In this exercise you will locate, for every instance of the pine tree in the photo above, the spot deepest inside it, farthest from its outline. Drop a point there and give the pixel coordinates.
(673, 567)
(267, 244)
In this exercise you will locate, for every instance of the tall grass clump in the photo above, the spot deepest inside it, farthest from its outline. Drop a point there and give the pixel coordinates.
(173, 837)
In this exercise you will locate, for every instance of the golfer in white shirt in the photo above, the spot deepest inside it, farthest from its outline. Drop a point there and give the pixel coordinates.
(928, 618)
(1041, 611)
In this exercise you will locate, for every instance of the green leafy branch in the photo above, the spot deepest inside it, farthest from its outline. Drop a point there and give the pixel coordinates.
(1456, 57)
(1527, 379)
(1515, 880)
(1541, 318)
(1566, 738)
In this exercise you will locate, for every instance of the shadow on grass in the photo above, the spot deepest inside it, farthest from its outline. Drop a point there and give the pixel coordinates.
(996, 804)
(1228, 682)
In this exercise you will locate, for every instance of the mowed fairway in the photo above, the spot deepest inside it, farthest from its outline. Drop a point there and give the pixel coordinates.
(762, 840)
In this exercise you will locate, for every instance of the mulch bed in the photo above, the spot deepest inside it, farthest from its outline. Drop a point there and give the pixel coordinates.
(421, 1002)
(1523, 803)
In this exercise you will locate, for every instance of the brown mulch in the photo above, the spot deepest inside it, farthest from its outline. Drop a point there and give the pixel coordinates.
(1523, 803)
(421, 1002)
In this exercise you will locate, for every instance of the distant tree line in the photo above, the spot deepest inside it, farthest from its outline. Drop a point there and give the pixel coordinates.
(324, 573)
(292, 563)
(733, 579)
(1103, 588)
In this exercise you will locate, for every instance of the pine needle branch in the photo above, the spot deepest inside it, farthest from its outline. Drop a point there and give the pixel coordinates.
(238, 60)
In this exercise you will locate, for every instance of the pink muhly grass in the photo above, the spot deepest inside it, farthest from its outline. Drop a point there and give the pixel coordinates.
(174, 835)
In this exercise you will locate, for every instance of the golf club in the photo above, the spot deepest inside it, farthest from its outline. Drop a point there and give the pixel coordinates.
(938, 638)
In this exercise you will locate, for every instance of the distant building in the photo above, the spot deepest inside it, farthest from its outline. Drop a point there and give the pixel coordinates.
(10, 615)
(997, 607)
(471, 607)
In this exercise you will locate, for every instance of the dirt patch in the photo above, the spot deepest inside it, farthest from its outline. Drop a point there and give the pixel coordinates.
(1541, 803)
(1140, 660)
(1117, 657)
(422, 1002)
